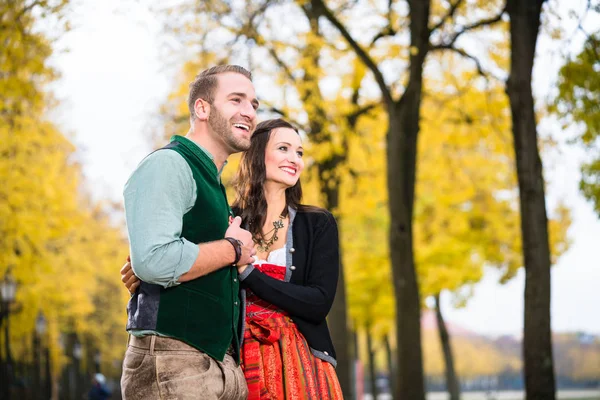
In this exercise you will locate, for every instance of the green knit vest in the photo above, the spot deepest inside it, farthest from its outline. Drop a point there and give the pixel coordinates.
(203, 312)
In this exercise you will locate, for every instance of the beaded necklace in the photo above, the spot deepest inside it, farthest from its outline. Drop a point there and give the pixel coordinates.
(265, 244)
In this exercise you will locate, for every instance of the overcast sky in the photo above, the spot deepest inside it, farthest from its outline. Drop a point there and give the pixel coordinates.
(115, 75)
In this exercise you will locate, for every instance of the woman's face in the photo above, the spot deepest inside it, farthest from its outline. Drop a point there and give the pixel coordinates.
(283, 157)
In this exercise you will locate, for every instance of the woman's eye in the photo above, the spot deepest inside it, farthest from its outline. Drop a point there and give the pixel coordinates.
(284, 148)
(300, 154)
(235, 100)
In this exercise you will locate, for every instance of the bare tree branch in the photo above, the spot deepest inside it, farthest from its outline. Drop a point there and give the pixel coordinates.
(250, 25)
(389, 29)
(279, 111)
(282, 64)
(464, 54)
(362, 54)
(579, 26)
(286, 116)
(251, 32)
(446, 17)
(353, 116)
(471, 27)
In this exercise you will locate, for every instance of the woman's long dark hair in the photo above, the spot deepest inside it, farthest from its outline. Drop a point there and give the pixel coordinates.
(250, 202)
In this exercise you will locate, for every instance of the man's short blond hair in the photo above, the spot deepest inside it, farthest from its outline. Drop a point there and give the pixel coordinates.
(205, 83)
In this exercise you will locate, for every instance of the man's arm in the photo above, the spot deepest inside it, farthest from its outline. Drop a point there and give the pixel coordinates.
(157, 195)
(201, 266)
(160, 191)
(215, 255)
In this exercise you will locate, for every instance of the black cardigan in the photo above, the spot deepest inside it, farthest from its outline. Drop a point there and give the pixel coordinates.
(309, 294)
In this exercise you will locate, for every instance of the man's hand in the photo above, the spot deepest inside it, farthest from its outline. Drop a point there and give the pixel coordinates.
(128, 277)
(236, 232)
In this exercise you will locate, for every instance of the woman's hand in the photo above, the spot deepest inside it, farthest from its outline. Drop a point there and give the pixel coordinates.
(128, 277)
(242, 268)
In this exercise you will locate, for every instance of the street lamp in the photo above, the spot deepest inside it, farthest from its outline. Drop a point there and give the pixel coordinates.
(8, 288)
(77, 353)
(40, 324)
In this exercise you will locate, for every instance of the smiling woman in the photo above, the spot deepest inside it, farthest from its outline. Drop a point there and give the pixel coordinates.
(291, 286)
(283, 158)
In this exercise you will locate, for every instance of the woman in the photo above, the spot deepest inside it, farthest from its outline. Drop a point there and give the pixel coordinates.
(287, 351)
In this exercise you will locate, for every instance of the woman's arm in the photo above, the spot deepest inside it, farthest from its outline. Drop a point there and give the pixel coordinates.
(311, 301)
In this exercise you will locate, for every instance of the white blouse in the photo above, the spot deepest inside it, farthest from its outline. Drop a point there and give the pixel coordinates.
(276, 257)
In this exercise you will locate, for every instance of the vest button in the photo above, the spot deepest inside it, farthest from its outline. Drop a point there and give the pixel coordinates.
(292, 268)
(292, 250)
(235, 279)
(235, 303)
(326, 353)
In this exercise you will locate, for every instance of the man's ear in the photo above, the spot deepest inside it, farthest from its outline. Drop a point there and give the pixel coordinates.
(202, 109)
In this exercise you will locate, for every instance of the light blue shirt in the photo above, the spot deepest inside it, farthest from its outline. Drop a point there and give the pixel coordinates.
(157, 195)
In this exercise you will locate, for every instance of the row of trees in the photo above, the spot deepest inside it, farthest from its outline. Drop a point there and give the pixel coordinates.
(60, 246)
(576, 356)
(381, 88)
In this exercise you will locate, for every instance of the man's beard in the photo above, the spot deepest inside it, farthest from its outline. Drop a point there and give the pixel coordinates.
(223, 129)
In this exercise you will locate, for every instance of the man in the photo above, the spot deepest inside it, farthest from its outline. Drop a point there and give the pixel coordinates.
(184, 318)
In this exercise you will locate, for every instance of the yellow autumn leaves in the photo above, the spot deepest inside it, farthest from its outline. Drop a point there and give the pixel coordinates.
(59, 245)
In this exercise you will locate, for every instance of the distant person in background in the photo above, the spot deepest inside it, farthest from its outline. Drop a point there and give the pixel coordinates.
(99, 390)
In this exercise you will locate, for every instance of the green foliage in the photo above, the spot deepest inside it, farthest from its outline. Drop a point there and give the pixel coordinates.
(577, 103)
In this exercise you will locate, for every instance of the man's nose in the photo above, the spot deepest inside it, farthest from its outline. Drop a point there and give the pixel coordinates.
(248, 111)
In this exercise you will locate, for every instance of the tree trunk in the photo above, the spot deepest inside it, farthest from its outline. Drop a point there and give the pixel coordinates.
(37, 365)
(372, 372)
(401, 172)
(356, 377)
(329, 186)
(338, 316)
(537, 339)
(452, 384)
(338, 327)
(403, 129)
(390, 363)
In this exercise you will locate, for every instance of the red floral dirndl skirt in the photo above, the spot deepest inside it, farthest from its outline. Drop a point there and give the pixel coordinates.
(276, 359)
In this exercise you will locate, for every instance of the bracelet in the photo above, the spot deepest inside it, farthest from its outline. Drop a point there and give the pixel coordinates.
(237, 246)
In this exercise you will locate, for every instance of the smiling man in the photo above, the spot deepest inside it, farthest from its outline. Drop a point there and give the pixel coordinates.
(184, 317)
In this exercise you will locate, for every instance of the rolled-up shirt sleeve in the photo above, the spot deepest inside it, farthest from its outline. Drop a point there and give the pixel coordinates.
(157, 195)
